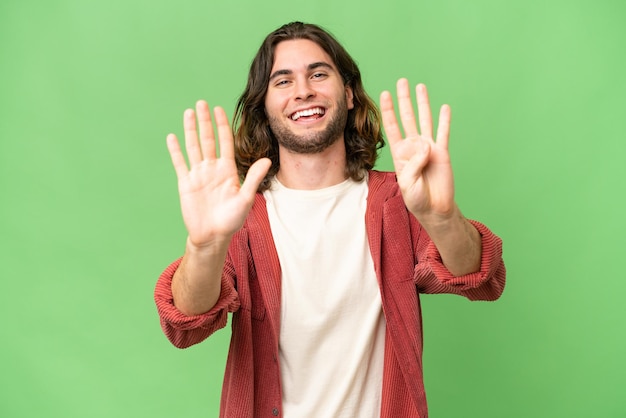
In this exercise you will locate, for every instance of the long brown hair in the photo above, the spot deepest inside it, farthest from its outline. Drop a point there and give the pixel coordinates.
(253, 137)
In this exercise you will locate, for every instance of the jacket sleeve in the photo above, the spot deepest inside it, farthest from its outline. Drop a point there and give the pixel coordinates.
(182, 330)
(431, 276)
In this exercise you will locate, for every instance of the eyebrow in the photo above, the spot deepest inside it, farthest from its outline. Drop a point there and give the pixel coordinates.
(312, 66)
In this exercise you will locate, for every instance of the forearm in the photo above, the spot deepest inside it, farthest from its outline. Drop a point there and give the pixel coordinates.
(196, 285)
(457, 241)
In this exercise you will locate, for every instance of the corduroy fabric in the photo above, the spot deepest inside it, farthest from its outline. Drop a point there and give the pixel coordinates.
(406, 262)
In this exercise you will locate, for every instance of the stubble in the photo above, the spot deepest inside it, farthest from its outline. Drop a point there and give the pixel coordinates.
(312, 142)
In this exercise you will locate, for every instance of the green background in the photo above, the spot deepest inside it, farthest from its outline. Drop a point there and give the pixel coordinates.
(89, 211)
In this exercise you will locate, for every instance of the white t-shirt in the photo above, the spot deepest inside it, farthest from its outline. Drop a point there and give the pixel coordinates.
(332, 327)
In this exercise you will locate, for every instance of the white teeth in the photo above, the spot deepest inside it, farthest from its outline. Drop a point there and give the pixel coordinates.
(307, 112)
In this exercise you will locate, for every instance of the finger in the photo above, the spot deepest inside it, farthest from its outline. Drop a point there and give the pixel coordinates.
(207, 137)
(413, 168)
(194, 153)
(257, 172)
(388, 114)
(224, 133)
(423, 109)
(407, 115)
(178, 160)
(443, 128)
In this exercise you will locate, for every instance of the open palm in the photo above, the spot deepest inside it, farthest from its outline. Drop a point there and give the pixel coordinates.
(422, 164)
(213, 202)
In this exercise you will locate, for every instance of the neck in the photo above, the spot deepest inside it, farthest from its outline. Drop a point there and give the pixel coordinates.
(313, 171)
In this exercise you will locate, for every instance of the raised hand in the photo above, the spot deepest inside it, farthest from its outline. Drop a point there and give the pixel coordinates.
(422, 164)
(425, 178)
(213, 202)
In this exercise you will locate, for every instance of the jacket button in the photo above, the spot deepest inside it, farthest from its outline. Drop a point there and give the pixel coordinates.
(275, 412)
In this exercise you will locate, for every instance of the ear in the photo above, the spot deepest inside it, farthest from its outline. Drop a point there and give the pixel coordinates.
(349, 97)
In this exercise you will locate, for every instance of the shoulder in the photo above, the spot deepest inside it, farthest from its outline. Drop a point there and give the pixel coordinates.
(382, 176)
(383, 184)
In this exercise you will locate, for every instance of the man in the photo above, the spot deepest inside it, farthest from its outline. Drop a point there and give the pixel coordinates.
(319, 257)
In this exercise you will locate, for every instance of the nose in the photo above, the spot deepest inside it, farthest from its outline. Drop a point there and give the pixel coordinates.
(304, 90)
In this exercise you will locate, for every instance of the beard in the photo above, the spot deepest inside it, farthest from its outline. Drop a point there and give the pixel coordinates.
(311, 142)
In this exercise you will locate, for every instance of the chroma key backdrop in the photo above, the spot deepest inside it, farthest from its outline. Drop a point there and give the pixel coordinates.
(89, 211)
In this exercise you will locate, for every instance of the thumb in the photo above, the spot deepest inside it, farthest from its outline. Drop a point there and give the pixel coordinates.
(413, 168)
(256, 173)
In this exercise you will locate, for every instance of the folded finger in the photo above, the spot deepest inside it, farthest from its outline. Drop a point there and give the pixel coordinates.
(415, 165)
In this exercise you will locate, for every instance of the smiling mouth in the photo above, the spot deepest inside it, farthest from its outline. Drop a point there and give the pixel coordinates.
(313, 113)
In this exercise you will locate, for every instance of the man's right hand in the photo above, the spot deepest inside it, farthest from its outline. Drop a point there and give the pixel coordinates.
(213, 203)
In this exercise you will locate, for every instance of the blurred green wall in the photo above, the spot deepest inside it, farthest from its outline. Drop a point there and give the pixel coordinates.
(89, 211)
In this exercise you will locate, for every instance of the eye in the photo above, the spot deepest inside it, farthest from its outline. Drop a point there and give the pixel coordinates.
(319, 76)
(281, 83)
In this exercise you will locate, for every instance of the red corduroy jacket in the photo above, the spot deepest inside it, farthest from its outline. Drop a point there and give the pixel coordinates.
(406, 262)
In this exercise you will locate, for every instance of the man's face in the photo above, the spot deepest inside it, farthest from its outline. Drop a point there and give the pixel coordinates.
(306, 102)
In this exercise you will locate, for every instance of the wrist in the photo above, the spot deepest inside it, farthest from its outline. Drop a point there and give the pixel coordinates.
(215, 245)
(440, 219)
